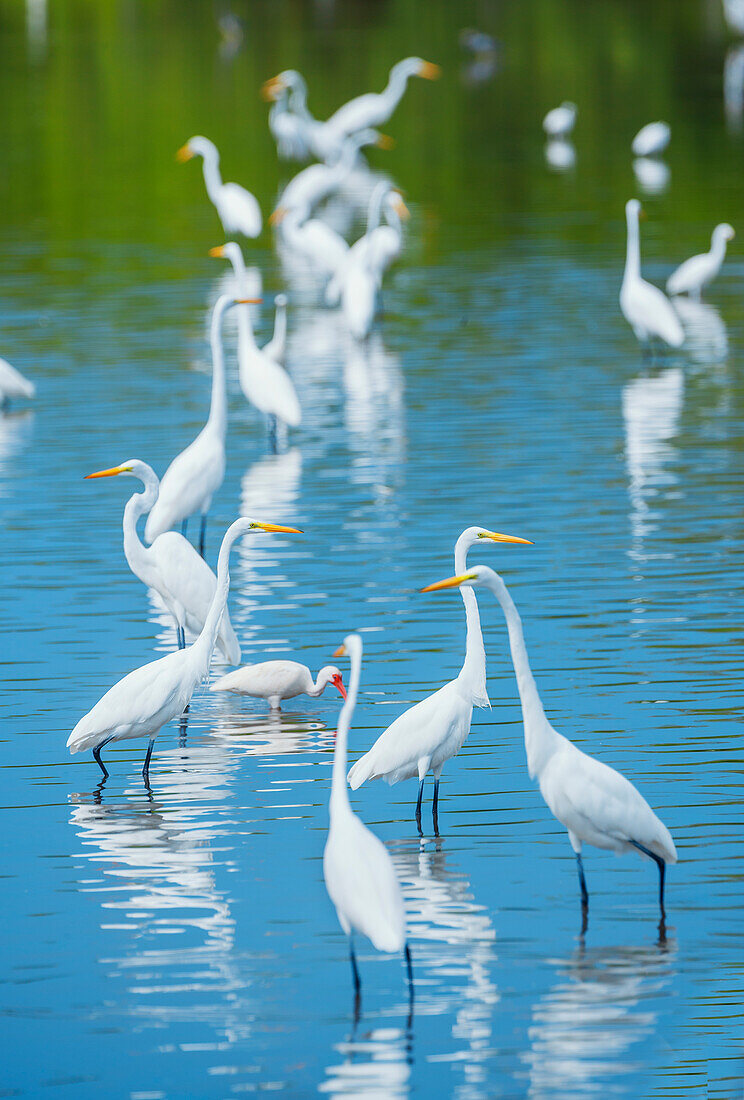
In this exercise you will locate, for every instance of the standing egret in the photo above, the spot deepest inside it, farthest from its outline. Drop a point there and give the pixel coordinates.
(277, 680)
(289, 128)
(357, 868)
(171, 566)
(276, 348)
(13, 384)
(264, 382)
(647, 309)
(373, 109)
(238, 209)
(195, 475)
(431, 732)
(695, 273)
(559, 122)
(651, 140)
(595, 803)
(318, 181)
(147, 698)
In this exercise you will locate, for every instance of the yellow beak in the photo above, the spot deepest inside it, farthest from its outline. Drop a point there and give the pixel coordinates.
(277, 215)
(400, 208)
(218, 252)
(107, 473)
(384, 141)
(496, 537)
(271, 88)
(430, 71)
(278, 527)
(249, 301)
(450, 582)
(184, 154)
(340, 652)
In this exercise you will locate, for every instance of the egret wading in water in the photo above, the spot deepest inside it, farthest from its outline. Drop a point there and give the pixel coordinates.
(237, 208)
(13, 384)
(265, 383)
(142, 702)
(596, 804)
(195, 475)
(278, 680)
(431, 732)
(374, 109)
(651, 140)
(171, 566)
(695, 273)
(647, 309)
(559, 122)
(357, 868)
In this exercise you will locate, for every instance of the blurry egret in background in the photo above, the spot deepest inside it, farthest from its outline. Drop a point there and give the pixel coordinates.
(238, 209)
(13, 384)
(695, 273)
(559, 122)
(373, 109)
(647, 309)
(651, 140)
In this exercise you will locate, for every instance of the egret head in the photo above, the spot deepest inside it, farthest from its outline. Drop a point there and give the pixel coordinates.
(289, 80)
(329, 674)
(132, 467)
(472, 535)
(196, 147)
(230, 251)
(633, 208)
(724, 232)
(394, 200)
(280, 301)
(416, 66)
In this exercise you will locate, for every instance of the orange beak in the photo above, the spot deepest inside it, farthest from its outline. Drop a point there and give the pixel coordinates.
(494, 536)
(277, 215)
(340, 652)
(107, 473)
(400, 208)
(271, 88)
(385, 142)
(271, 527)
(218, 252)
(249, 301)
(450, 582)
(184, 154)
(430, 71)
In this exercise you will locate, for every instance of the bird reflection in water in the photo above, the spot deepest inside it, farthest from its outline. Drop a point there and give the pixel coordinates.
(584, 1028)
(272, 734)
(376, 1063)
(374, 413)
(16, 427)
(733, 88)
(706, 335)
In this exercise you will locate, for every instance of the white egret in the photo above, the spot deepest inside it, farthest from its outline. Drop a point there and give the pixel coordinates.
(312, 239)
(288, 128)
(316, 182)
(358, 278)
(596, 804)
(647, 309)
(651, 140)
(276, 348)
(264, 381)
(431, 732)
(373, 109)
(277, 680)
(13, 384)
(142, 702)
(195, 475)
(238, 209)
(559, 122)
(695, 273)
(171, 566)
(357, 868)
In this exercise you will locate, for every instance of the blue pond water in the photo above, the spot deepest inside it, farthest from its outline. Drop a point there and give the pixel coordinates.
(181, 943)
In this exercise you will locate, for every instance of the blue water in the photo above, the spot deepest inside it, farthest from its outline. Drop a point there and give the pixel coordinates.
(181, 943)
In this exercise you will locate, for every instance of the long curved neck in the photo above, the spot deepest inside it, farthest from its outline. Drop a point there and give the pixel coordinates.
(218, 408)
(298, 102)
(473, 671)
(316, 688)
(245, 328)
(280, 329)
(540, 739)
(395, 87)
(718, 247)
(212, 177)
(339, 789)
(375, 211)
(201, 650)
(135, 551)
(633, 251)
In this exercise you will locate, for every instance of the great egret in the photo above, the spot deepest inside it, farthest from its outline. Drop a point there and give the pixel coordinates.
(559, 122)
(316, 182)
(431, 732)
(651, 140)
(373, 109)
(277, 680)
(13, 384)
(276, 348)
(647, 309)
(288, 127)
(357, 868)
(264, 381)
(311, 239)
(596, 804)
(195, 475)
(171, 566)
(238, 209)
(695, 273)
(147, 698)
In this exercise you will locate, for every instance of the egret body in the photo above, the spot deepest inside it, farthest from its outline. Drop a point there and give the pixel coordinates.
(278, 680)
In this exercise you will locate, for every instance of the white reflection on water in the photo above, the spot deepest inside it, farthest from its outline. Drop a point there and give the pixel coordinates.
(16, 428)
(733, 87)
(560, 154)
(271, 734)
(583, 1028)
(374, 412)
(453, 953)
(652, 175)
(652, 406)
(376, 1064)
(706, 335)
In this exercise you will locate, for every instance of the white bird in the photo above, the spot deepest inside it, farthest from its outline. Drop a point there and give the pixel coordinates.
(373, 109)
(311, 239)
(647, 309)
(276, 348)
(357, 868)
(263, 380)
(13, 384)
(596, 804)
(559, 122)
(195, 475)
(171, 566)
(695, 273)
(316, 182)
(142, 702)
(288, 127)
(431, 732)
(238, 209)
(651, 140)
(277, 680)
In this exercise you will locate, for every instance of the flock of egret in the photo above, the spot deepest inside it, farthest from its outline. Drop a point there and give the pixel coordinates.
(596, 804)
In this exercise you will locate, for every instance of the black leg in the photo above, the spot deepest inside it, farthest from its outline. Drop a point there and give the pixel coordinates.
(582, 883)
(273, 443)
(97, 755)
(146, 767)
(182, 728)
(203, 534)
(662, 874)
(409, 968)
(418, 807)
(357, 982)
(435, 808)
(184, 526)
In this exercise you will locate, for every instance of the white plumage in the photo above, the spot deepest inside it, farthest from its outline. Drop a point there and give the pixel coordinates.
(596, 804)
(374, 109)
(13, 384)
(695, 273)
(647, 309)
(559, 122)
(278, 680)
(171, 566)
(651, 140)
(237, 208)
